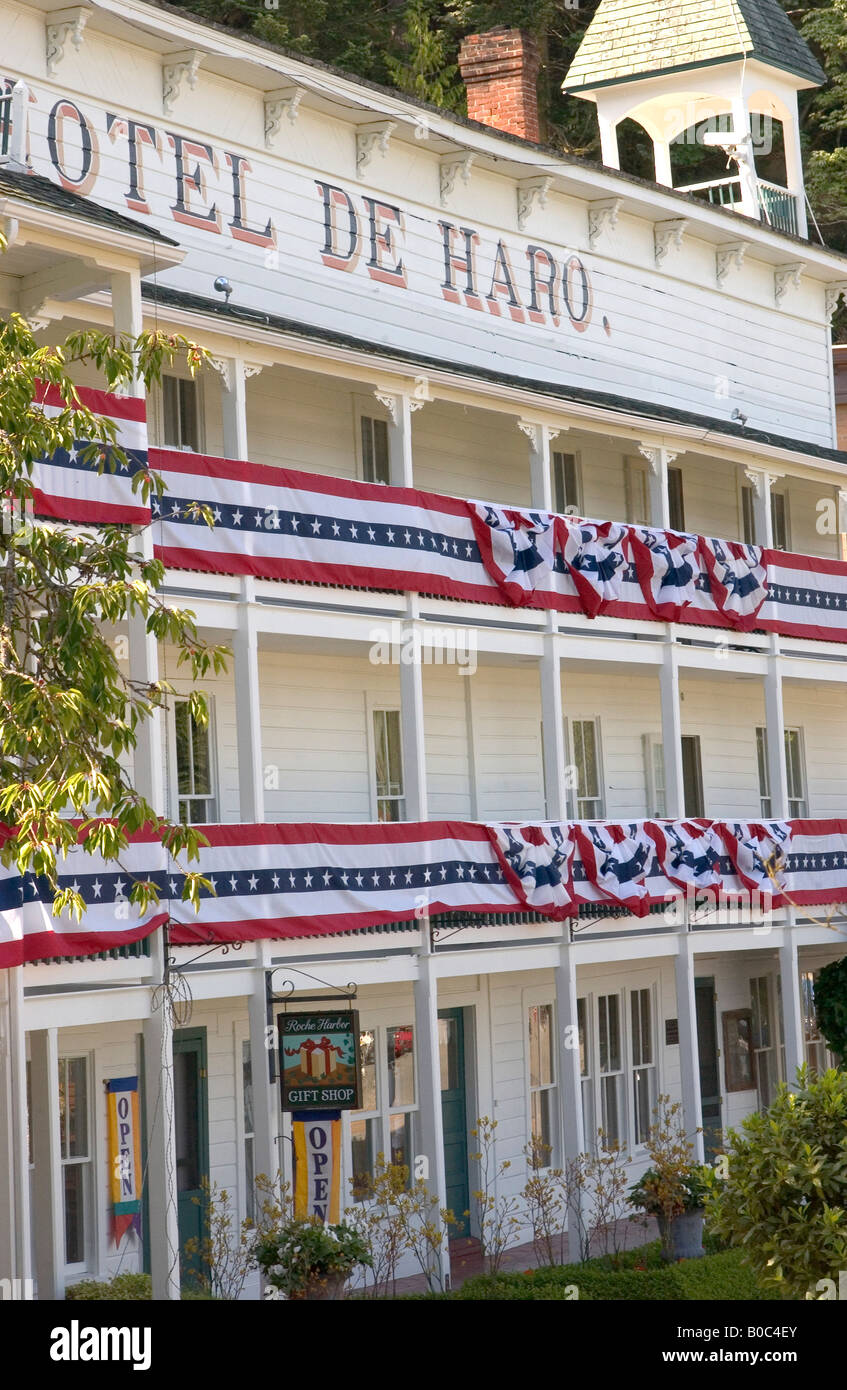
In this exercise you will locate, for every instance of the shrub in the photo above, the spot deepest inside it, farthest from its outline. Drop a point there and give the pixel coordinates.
(785, 1197)
(124, 1287)
(643, 1277)
(831, 1006)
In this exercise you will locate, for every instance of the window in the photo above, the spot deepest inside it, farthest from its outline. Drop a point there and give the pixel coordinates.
(676, 507)
(780, 521)
(637, 492)
(388, 765)
(542, 1084)
(748, 515)
(376, 466)
(795, 774)
(194, 771)
(180, 414)
(643, 1064)
(610, 1056)
(764, 773)
(567, 492)
(248, 1131)
(817, 1054)
(692, 776)
(589, 776)
(766, 1065)
(654, 772)
(386, 1122)
(76, 1155)
(583, 1016)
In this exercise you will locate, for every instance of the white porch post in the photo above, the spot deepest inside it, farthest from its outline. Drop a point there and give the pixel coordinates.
(265, 1101)
(658, 458)
(248, 710)
(608, 140)
(689, 1050)
(671, 731)
(775, 735)
(161, 1140)
(429, 1065)
(792, 1014)
(553, 725)
(400, 409)
(48, 1197)
(234, 405)
(412, 722)
(745, 157)
(761, 482)
(572, 1132)
(662, 162)
(15, 1214)
(127, 313)
(540, 480)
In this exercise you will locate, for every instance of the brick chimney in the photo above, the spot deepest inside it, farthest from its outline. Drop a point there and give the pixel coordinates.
(500, 70)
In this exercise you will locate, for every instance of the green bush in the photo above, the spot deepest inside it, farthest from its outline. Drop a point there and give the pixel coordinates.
(784, 1201)
(124, 1287)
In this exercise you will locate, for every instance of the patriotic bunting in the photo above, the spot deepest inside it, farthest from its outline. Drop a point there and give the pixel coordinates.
(278, 881)
(70, 486)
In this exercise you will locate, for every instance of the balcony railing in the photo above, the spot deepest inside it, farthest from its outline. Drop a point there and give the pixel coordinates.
(778, 207)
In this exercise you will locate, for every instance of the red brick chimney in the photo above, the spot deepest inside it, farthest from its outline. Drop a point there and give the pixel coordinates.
(500, 70)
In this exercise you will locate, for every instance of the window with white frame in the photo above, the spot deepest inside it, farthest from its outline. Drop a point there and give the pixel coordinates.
(817, 1055)
(676, 500)
(180, 413)
(765, 1046)
(637, 479)
(748, 514)
(542, 1083)
(642, 1063)
(194, 765)
(567, 484)
(75, 1145)
(388, 765)
(373, 439)
(795, 773)
(654, 774)
(780, 521)
(611, 1069)
(385, 1124)
(585, 736)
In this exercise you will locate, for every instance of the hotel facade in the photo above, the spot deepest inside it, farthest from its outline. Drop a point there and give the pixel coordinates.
(395, 298)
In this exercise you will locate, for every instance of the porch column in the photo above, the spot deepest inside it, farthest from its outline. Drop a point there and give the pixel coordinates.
(689, 1050)
(658, 459)
(248, 709)
(265, 1099)
(15, 1215)
(540, 480)
(400, 409)
(161, 1144)
(553, 725)
(745, 157)
(127, 312)
(608, 140)
(792, 1013)
(572, 1134)
(761, 482)
(412, 723)
(671, 731)
(794, 168)
(429, 1081)
(233, 404)
(775, 736)
(662, 162)
(47, 1194)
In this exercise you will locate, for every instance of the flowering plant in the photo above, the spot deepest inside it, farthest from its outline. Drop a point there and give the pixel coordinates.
(298, 1255)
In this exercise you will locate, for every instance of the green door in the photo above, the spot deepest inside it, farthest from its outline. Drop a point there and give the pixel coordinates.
(710, 1081)
(191, 1123)
(451, 1047)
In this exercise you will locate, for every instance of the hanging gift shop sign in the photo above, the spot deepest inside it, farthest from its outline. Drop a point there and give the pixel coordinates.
(319, 1061)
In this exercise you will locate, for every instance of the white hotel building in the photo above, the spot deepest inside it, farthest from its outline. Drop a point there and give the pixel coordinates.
(436, 304)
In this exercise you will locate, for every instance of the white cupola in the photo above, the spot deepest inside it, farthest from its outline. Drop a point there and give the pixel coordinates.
(670, 65)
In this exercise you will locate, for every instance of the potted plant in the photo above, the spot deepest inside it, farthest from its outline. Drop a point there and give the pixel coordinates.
(305, 1259)
(673, 1189)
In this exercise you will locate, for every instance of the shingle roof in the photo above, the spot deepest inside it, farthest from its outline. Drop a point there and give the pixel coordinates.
(42, 192)
(636, 38)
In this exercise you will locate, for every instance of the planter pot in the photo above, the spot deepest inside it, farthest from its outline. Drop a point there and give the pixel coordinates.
(329, 1287)
(682, 1237)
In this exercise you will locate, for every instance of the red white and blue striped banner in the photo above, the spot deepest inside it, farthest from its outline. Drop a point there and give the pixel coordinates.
(282, 881)
(70, 486)
(276, 523)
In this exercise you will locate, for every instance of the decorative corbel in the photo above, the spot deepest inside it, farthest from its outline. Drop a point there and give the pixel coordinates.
(420, 393)
(532, 194)
(371, 139)
(667, 235)
(833, 294)
(391, 402)
(787, 277)
(225, 367)
(282, 102)
(760, 480)
(178, 68)
(537, 434)
(729, 256)
(449, 170)
(253, 368)
(602, 216)
(64, 25)
(654, 453)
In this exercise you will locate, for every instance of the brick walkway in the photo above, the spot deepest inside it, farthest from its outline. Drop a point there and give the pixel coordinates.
(466, 1259)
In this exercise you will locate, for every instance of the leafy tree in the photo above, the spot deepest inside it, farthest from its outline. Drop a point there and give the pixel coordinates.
(69, 711)
(784, 1201)
(424, 71)
(831, 1006)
